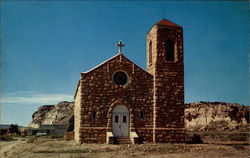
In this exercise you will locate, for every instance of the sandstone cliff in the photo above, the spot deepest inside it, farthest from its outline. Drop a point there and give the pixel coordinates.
(216, 116)
(201, 116)
(62, 113)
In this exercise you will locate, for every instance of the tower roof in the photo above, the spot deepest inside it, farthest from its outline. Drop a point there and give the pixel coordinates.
(165, 22)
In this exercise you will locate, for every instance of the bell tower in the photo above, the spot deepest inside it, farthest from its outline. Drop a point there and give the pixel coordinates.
(165, 63)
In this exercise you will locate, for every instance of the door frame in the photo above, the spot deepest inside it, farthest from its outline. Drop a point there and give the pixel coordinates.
(112, 104)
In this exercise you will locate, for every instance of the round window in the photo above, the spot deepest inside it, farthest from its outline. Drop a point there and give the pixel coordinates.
(120, 78)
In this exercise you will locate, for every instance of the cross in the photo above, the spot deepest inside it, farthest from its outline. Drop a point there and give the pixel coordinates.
(120, 45)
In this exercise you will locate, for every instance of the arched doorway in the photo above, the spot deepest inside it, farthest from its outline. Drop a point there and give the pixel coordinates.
(120, 121)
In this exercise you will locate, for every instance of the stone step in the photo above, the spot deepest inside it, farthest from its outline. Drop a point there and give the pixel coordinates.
(124, 140)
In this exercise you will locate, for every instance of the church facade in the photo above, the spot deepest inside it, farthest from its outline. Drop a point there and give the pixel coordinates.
(118, 99)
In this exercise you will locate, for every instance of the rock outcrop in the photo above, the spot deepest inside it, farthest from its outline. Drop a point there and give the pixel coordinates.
(61, 113)
(201, 116)
(216, 116)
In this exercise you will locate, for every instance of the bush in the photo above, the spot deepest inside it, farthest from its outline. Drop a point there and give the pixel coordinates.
(14, 129)
(194, 139)
(239, 137)
(31, 139)
(57, 136)
(6, 138)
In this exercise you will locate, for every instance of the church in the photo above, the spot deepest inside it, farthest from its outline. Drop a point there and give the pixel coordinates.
(117, 101)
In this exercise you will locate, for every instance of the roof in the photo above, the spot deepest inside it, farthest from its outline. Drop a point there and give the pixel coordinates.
(4, 126)
(77, 88)
(101, 63)
(165, 22)
(49, 127)
(117, 55)
(60, 126)
(96, 67)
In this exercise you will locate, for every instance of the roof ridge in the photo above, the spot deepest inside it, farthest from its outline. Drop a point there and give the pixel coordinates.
(137, 65)
(165, 22)
(100, 64)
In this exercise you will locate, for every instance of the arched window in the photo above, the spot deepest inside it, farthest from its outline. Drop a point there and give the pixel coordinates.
(150, 53)
(170, 50)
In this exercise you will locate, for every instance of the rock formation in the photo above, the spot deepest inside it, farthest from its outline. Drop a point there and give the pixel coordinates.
(201, 116)
(216, 116)
(61, 113)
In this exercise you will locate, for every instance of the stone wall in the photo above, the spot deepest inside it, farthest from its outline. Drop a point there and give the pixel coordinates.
(77, 113)
(101, 95)
(69, 135)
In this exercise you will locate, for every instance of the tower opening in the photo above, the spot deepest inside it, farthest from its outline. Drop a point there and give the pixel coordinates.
(150, 53)
(170, 50)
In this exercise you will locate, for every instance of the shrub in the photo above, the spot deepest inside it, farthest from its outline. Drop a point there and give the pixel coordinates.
(31, 139)
(6, 138)
(57, 136)
(14, 129)
(194, 139)
(239, 137)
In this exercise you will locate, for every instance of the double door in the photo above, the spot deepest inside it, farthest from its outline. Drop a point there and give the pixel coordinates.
(120, 124)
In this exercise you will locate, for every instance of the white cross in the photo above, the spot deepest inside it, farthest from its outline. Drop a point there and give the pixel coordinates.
(120, 45)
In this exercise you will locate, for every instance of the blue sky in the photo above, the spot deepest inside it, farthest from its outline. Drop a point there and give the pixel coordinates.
(46, 44)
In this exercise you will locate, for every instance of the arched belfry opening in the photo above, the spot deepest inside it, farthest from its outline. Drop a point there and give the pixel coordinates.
(170, 50)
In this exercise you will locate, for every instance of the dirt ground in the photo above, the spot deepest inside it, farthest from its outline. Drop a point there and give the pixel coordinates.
(58, 148)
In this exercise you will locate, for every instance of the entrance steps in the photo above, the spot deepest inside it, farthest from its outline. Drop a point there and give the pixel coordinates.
(123, 140)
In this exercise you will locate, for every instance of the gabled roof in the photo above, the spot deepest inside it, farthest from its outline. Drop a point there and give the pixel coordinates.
(96, 67)
(165, 22)
(117, 55)
(101, 64)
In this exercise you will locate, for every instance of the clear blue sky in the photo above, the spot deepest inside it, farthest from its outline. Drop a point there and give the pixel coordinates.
(46, 44)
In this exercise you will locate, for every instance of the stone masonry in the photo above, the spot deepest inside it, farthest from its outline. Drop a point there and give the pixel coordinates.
(158, 93)
(168, 84)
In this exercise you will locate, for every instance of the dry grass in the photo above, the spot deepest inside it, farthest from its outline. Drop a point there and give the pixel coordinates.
(223, 136)
(6, 138)
(47, 147)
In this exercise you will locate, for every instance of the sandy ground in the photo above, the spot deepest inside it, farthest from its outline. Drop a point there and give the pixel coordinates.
(44, 147)
(6, 146)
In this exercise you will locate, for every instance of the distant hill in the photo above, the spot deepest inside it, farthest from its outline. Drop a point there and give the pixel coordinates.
(200, 116)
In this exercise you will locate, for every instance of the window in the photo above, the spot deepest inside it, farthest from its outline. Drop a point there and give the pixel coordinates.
(116, 119)
(94, 115)
(150, 53)
(142, 116)
(124, 119)
(170, 50)
(120, 78)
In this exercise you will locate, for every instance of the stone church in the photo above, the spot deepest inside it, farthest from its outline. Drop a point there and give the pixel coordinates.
(119, 101)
